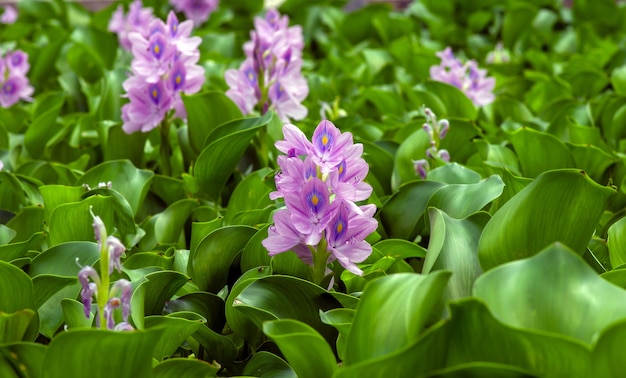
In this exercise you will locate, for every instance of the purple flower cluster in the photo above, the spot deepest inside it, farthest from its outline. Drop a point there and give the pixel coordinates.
(14, 85)
(93, 286)
(270, 77)
(136, 20)
(320, 181)
(196, 10)
(436, 130)
(467, 77)
(164, 66)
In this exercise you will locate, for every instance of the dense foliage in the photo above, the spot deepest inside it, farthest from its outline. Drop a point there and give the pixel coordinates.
(500, 239)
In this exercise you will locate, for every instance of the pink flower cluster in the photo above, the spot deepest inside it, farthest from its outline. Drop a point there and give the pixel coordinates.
(196, 10)
(164, 66)
(9, 15)
(467, 77)
(320, 181)
(270, 77)
(14, 85)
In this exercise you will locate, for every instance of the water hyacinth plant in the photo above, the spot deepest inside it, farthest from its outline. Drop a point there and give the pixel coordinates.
(438, 218)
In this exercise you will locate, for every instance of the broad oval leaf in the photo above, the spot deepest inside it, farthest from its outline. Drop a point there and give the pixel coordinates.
(516, 294)
(560, 205)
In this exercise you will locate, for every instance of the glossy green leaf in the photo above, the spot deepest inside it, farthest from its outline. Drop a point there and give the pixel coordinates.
(25, 358)
(539, 152)
(27, 222)
(250, 194)
(205, 112)
(560, 205)
(74, 314)
(44, 125)
(267, 365)
(14, 326)
(456, 102)
(452, 343)
(453, 246)
(208, 305)
(174, 332)
(508, 290)
(240, 323)
(591, 159)
(462, 200)
(73, 221)
(11, 195)
(454, 173)
(17, 289)
(403, 212)
(130, 182)
(285, 297)
(150, 296)
(306, 350)
(46, 285)
(185, 367)
(61, 259)
(102, 354)
(393, 310)
(400, 249)
(210, 262)
(617, 242)
(225, 147)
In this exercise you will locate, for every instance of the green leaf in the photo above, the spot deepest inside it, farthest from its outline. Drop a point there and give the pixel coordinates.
(539, 152)
(12, 196)
(210, 262)
(184, 367)
(456, 102)
(560, 205)
(392, 310)
(14, 326)
(452, 342)
(617, 242)
(44, 126)
(250, 194)
(241, 325)
(98, 353)
(168, 225)
(26, 223)
(61, 259)
(73, 221)
(205, 112)
(225, 147)
(25, 358)
(46, 285)
(402, 214)
(454, 173)
(593, 160)
(150, 296)
(306, 351)
(618, 80)
(285, 297)
(174, 332)
(509, 289)
(462, 200)
(267, 365)
(452, 246)
(400, 249)
(17, 293)
(130, 182)
(74, 314)
(208, 305)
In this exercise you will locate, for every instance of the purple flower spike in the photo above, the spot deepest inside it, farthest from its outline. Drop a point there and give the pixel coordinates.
(271, 72)
(421, 167)
(125, 288)
(467, 77)
(137, 20)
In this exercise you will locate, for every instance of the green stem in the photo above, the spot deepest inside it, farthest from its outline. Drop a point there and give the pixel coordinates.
(103, 289)
(166, 166)
(320, 261)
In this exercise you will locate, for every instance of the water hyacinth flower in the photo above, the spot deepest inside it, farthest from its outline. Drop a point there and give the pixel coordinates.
(136, 20)
(270, 77)
(164, 66)
(96, 285)
(14, 84)
(466, 76)
(196, 10)
(436, 130)
(9, 14)
(321, 180)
